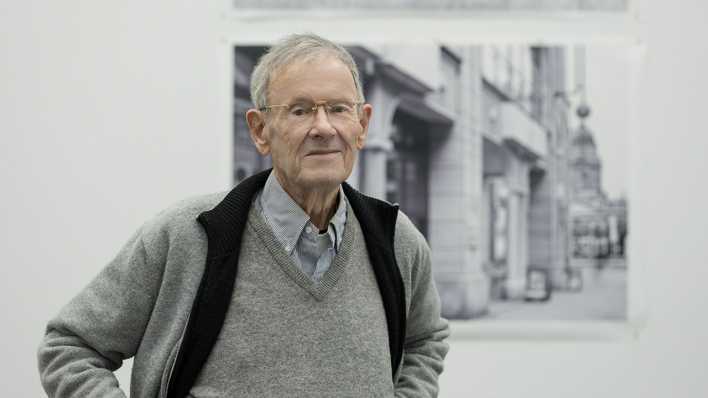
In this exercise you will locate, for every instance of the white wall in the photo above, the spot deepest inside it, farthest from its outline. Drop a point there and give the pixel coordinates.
(111, 110)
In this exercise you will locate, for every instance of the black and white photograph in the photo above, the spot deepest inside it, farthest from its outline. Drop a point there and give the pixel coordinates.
(510, 158)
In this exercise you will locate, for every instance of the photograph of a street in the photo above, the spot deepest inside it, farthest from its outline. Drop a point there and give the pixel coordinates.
(510, 159)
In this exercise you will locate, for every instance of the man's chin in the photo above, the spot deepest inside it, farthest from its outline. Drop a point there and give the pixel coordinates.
(319, 179)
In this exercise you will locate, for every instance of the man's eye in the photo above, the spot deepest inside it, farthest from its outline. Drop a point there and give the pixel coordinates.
(298, 111)
(339, 108)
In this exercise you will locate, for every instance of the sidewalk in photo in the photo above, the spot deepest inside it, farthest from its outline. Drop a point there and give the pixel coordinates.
(603, 297)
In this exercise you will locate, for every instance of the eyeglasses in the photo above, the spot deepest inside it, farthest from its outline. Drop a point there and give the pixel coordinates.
(303, 112)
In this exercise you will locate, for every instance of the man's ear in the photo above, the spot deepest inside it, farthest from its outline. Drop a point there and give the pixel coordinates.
(256, 126)
(364, 120)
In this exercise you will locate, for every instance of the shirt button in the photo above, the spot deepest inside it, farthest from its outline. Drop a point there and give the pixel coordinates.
(309, 230)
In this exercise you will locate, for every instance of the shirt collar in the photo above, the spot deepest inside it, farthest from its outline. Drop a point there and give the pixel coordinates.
(288, 219)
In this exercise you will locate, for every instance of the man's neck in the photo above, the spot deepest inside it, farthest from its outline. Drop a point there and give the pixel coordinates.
(320, 204)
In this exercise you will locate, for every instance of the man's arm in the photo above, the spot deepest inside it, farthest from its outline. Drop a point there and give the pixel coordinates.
(99, 328)
(424, 347)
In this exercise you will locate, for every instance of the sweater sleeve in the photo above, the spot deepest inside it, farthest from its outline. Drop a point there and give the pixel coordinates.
(100, 327)
(424, 346)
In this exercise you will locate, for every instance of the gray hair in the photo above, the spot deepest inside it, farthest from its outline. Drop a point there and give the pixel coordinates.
(297, 47)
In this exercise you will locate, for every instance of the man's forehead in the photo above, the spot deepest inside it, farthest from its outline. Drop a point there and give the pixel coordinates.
(284, 79)
(303, 65)
(298, 61)
(305, 98)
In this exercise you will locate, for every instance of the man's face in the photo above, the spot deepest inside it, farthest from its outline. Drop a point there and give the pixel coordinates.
(315, 151)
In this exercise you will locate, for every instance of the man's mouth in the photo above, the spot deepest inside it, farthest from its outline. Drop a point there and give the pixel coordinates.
(322, 152)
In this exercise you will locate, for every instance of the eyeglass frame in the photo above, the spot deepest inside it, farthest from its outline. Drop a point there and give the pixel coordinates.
(316, 105)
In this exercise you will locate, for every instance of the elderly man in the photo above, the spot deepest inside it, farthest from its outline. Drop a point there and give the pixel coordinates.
(291, 285)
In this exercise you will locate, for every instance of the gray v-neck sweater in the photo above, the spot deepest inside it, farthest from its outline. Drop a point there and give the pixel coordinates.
(285, 336)
(139, 306)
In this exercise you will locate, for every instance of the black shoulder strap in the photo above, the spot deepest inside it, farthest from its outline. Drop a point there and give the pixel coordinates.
(378, 224)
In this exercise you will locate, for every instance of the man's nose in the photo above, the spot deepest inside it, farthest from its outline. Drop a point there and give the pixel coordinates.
(321, 124)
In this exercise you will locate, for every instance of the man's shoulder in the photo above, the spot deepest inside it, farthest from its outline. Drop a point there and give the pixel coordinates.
(191, 207)
(410, 245)
(407, 237)
(182, 214)
(412, 252)
(407, 234)
(194, 205)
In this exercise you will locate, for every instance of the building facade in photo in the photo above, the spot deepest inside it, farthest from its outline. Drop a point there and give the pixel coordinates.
(599, 224)
(525, 158)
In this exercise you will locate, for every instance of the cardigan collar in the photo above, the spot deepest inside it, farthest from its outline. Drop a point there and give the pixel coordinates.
(224, 223)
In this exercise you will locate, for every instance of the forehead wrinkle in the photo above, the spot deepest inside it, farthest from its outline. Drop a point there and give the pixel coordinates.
(281, 72)
(310, 100)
